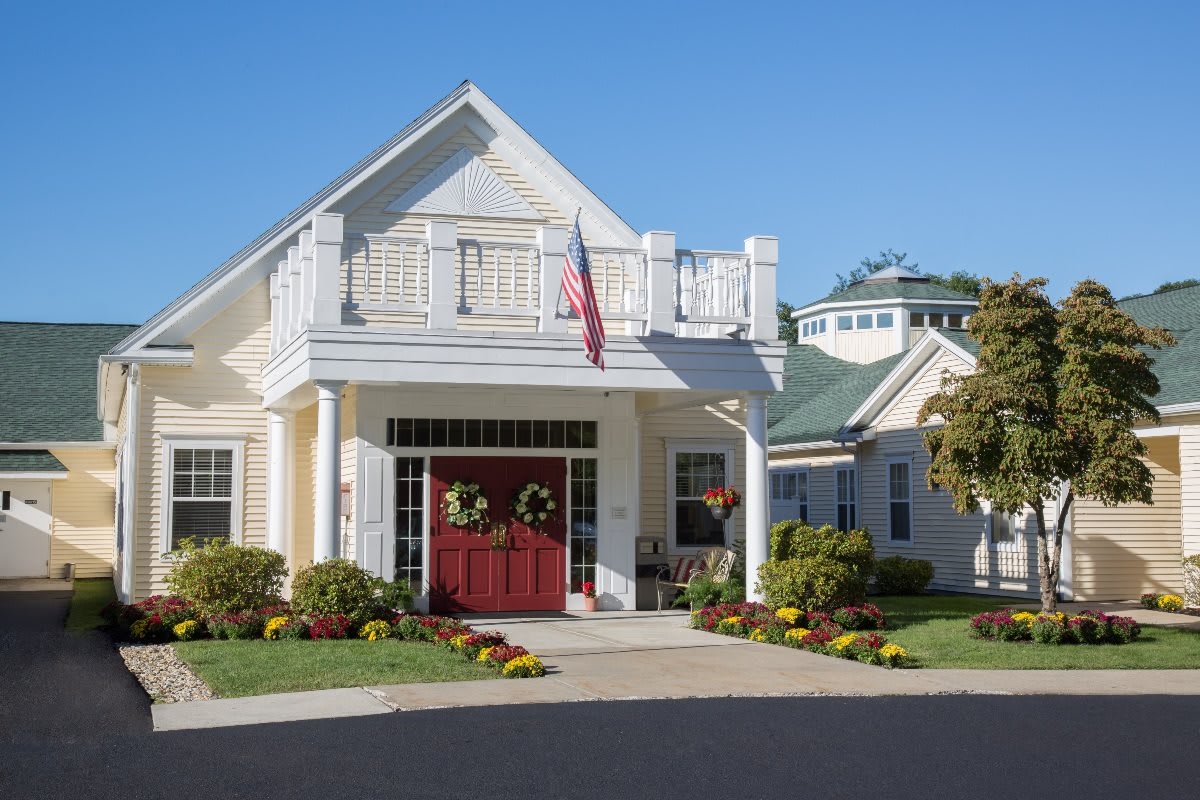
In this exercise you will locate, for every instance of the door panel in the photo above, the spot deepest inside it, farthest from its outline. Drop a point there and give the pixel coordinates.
(25, 529)
(527, 571)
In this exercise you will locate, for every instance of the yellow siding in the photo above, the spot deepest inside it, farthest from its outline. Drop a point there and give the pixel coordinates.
(83, 512)
(1122, 551)
(822, 475)
(724, 422)
(303, 494)
(219, 395)
(902, 415)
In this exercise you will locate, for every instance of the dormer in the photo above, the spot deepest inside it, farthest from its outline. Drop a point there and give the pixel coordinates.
(881, 315)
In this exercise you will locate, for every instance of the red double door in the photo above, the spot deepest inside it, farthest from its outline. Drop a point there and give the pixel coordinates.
(526, 570)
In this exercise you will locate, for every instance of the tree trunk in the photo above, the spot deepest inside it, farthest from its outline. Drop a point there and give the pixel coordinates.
(1050, 561)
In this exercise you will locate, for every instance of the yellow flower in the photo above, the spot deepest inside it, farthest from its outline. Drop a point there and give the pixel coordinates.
(483, 654)
(893, 652)
(796, 633)
(732, 620)
(1026, 617)
(757, 635)
(527, 666)
(844, 641)
(271, 629)
(186, 629)
(789, 615)
(1170, 602)
(375, 630)
(458, 641)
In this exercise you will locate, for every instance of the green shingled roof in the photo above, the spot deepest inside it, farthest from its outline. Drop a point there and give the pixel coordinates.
(1178, 367)
(29, 461)
(807, 371)
(897, 290)
(829, 404)
(48, 380)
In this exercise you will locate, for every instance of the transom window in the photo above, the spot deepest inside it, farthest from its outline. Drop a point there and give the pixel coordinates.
(883, 319)
(554, 433)
(865, 321)
(692, 473)
(410, 523)
(847, 498)
(203, 493)
(813, 328)
(900, 501)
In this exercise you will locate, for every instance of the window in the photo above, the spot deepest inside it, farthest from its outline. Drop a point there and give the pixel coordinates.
(789, 495)
(585, 520)
(804, 330)
(916, 320)
(900, 501)
(954, 320)
(410, 523)
(820, 325)
(845, 322)
(935, 320)
(883, 319)
(847, 499)
(1003, 528)
(204, 491)
(556, 433)
(693, 472)
(865, 322)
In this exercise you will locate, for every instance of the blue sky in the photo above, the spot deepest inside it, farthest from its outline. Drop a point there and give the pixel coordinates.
(142, 144)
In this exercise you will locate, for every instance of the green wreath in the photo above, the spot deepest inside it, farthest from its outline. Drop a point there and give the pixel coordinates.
(533, 504)
(465, 506)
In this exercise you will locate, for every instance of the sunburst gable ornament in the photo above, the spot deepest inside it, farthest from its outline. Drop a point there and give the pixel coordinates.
(463, 186)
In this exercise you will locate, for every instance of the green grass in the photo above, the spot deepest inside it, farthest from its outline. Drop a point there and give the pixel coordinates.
(244, 668)
(935, 630)
(91, 595)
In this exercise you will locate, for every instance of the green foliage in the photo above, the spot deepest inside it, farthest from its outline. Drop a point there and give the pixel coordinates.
(897, 575)
(1172, 285)
(703, 591)
(958, 281)
(796, 539)
(789, 329)
(396, 596)
(815, 583)
(335, 586)
(869, 266)
(223, 577)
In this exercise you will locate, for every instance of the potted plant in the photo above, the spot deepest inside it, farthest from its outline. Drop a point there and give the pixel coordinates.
(589, 595)
(722, 500)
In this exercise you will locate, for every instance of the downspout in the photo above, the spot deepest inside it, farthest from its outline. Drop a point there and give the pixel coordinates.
(129, 464)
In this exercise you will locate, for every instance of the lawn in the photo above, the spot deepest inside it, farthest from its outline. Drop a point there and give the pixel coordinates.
(935, 630)
(243, 668)
(91, 595)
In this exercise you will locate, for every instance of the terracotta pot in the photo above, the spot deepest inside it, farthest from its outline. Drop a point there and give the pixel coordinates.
(721, 512)
(589, 603)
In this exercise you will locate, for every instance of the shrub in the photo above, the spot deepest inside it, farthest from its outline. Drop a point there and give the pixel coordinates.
(526, 666)
(235, 625)
(812, 583)
(411, 627)
(707, 619)
(868, 616)
(332, 626)
(501, 654)
(1001, 625)
(396, 595)
(222, 577)
(187, 630)
(1084, 630)
(473, 643)
(896, 575)
(274, 626)
(795, 539)
(375, 630)
(1150, 600)
(1122, 630)
(148, 629)
(1048, 629)
(1170, 602)
(294, 629)
(1191, 580)
(702, 591)
(332, 587)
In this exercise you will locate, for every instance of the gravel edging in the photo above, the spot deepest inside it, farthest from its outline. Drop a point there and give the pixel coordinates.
(163, 675)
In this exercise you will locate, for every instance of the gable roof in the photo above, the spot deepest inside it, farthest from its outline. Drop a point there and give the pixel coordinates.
(897, 289)
(254, 262)
(1178, 367)
(807, 371)
(48, 380)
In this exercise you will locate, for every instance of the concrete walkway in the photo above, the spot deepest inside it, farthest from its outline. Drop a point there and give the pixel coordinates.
(638, 655)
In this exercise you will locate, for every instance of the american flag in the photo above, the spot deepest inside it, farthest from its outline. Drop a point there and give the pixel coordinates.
(577, 283)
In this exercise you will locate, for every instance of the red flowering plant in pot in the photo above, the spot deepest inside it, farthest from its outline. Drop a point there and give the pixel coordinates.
(589, 595)
(722, 500)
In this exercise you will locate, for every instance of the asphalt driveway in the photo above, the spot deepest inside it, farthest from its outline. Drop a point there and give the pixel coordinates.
(58, 684)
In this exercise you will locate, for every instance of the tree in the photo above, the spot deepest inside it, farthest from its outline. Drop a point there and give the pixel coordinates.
(1183, 284)
(1048, 411)
(789, 330)
(869, 266)
(958, 281)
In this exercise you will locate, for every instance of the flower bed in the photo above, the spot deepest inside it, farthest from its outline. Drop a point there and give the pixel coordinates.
(1172, 603)
(164, 618)
(848, 632)
(1086, 627)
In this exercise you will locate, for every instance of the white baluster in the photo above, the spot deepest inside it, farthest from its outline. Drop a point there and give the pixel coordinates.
(528, 276)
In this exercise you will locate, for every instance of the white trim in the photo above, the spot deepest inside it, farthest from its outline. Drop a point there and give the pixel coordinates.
(33, 476)
(827, 444)
(1151, 433)
(58, 445)
(851, 485)
(675, 446)
(180, 356)
(887, 480)
(847, 304)
(1179, 408)
(214, 438)
(174, 441)
(129, 460)
(989, 528)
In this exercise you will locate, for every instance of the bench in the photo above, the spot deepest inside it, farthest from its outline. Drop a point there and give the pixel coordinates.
(676, 577)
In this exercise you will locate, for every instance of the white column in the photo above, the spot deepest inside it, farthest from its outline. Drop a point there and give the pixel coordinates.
(327, 235)
(276, 300)
(552, 247)
(660, 282)
(278, 470)
(443, 241)
(326, 522)
(756, 503)
(764, 258)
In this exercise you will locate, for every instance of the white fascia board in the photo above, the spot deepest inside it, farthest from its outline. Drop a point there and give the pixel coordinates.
(33, 476)
(946, 344)
(101, 445)
(181, 356)
(408, 356)
(225, 279)
(880, 302)
(1152, 433)
(1179, 408)
(110, 383)
(828, 444)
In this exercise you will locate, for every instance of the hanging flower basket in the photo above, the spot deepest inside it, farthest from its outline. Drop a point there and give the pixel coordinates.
(721, 501)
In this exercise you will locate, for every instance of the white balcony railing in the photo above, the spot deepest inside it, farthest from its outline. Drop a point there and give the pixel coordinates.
(655, 290)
